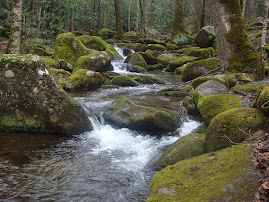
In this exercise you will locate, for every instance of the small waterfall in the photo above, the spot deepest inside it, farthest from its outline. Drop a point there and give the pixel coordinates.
(118, 65)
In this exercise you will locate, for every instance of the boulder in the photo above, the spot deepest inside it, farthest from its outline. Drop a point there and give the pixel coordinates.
(152, 33)
(199, 68)
(137, 59)
(136, 68)
(124, 113)
(150, 41)
(203, 53)
(30, 100)
(61, 77)
(166, 58)
(182, 39)
(122, 80)
(233, 126)
(51, 63)
(85, 80)
(179, 62)
(177, 91)
(69, 48)
(99, 61)
(186, 147)
(262, 101)
(226, 175)
(97, 43)
(156, 67)
(190, 106)
(144, 79)
(106, 34)
(65, 65)
(205, 37)
(250, 88)
(150, 56)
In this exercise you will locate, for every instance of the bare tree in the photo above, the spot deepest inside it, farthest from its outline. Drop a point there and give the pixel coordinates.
(14, 46)
(265, 21)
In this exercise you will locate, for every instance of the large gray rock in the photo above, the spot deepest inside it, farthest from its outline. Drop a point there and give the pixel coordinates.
(205, 37)
(124, 113)
(30, 101)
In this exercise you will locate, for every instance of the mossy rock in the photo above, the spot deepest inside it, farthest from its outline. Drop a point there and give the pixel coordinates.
(144, 79)
(150, 41)
(99, 61)
(166, 58)
(177, 92)
(106, 34)
(125, 113)
(262, 101)
(247, 89)
(150, 56)
(86, 80)
(136, 68)
(199, 68)
(211, 106)
(122, 80)
(137, 59)
(171, 46)
(205, 37)
(174, 64)
(69, 48)
(97, 43)
(141, 47)
(196, 82)
(182, 39)
(186, 147)
(62, 78)
(179, 70)
(65, 65)
(157, 47)
(203, 53)
(156, 67)
(46, 108)
(224, 175)
(232, 124)
(190, 105)
(51, 63)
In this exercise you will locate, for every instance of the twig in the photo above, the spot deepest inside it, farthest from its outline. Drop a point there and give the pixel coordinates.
(263, 106)
(248, 134)
(232, 141)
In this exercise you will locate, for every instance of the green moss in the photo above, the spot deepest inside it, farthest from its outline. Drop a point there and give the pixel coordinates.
(51, 62)
(203, 53)
(137, 59)
(157, 47)
(166, 58)
(208, 177)
(210, 106)
(179, 70)
(262, 101)
(231, 123)
(199, 68)
(84, 79)
(124, 81)
(59, 73)
(186, 147)
(179, 62)
(106, 34)
(196, 82)
(144, 79)
(266, 69)
(247, 89)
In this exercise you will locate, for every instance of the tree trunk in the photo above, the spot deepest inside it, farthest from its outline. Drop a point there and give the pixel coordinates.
(244, 8)
(152, 13)
(265, 21)
(145, 12)
(202, 20)
(253, 12)
(72, 26)
(137, 17)
(178, 26)
(235, 50)
(129, 15)
(14, 46)
(39, 17)
(142, 18)
(119, 30)
(105, 18)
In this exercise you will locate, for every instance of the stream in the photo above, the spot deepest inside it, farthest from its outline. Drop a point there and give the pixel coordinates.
(106, 164)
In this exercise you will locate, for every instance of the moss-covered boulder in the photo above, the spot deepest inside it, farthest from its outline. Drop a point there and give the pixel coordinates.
(150, 56)
(65, 65)
(186, 147)
(32, 102)
(182, 39)
(232, 126)
(85, 80)
(97, 43)
(106, 34)
(226, 175)
(51, 63)
(136, 68)
(99, 61)
(199, 68)
(212, 88)
(177, 91)
(157, 47)
(137, 59)
(61, 77)
(125, 113)
(150, 41)
(166, 58)
(203, 53)
(69, 48)
(262, 101)
(196, 82)
(122, 80)
(144, 79)
(190, 105)
(205, 37)
(251, 88)
(211, 106)
(156, 67)
(174, 64)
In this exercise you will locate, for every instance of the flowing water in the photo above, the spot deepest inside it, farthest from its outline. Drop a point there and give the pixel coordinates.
(106, 164)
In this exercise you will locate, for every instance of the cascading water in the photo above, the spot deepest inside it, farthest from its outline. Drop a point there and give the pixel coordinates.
(106, 164)
(118, 65)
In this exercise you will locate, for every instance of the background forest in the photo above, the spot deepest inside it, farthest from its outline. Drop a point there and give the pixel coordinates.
(47, 18)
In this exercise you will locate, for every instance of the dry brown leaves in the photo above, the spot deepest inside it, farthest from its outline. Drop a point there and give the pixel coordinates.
(261, 157)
